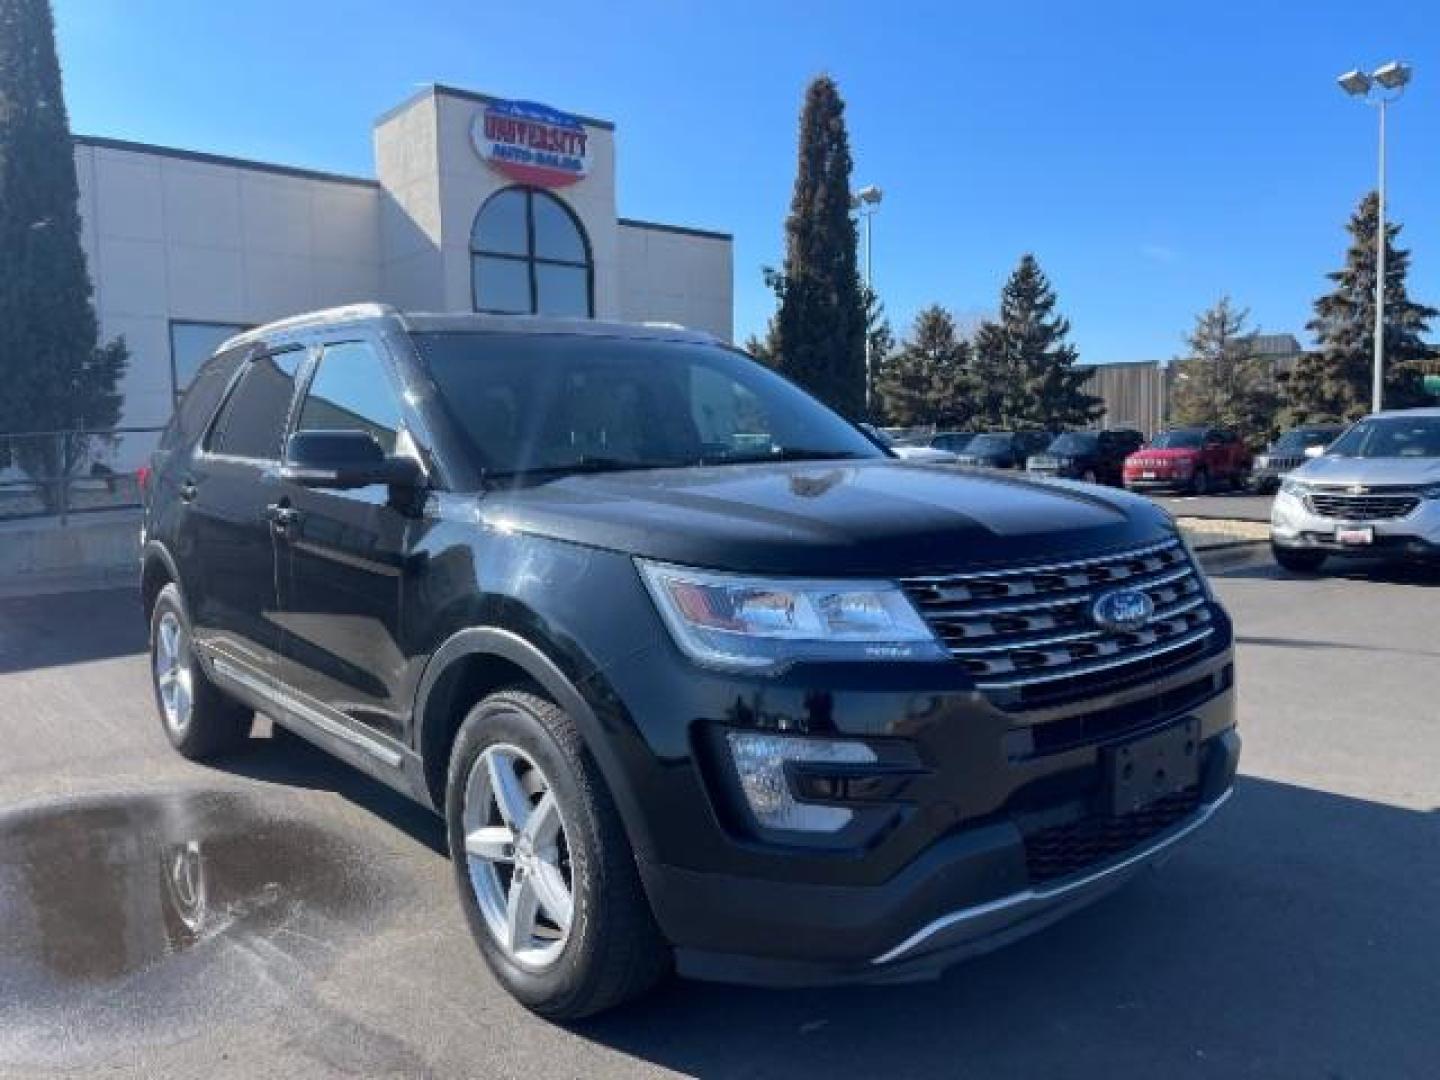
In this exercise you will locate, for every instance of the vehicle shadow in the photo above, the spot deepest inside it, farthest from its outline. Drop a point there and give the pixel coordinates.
(1285, 941)
(69, 628)
(276, 756)
(1359, 570)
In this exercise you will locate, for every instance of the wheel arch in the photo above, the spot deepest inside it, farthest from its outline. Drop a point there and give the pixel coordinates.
(157, 569)
(480, 660)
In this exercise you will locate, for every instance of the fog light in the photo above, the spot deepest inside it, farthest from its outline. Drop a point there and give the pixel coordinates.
(760, 763)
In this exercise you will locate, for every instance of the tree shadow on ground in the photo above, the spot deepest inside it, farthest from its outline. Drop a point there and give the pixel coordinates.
(70, 628)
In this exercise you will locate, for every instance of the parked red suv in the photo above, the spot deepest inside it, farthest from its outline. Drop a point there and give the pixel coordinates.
(1195, 459)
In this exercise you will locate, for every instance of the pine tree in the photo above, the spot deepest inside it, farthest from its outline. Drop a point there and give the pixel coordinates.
(991, 372)
(1335, 382)
(53, 375)
(1041, 385)
(1221, 382)
(927, 380)
(880, 340)
(820, 325)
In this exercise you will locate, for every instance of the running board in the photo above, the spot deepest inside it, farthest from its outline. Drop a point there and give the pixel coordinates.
(307, 714)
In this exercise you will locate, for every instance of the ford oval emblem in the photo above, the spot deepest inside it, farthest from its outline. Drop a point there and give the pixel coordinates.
(1122, 609)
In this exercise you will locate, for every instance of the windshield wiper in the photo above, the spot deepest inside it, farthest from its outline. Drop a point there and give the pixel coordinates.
(789, 453)
(587, 464)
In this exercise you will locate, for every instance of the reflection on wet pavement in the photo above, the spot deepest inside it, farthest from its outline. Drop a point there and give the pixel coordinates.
(120, 913)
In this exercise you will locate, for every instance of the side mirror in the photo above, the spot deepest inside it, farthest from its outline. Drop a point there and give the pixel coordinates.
(1314, 451)
(344, 459)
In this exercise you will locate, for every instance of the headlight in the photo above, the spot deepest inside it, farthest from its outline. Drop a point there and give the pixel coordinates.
(1432, 492)
(1297, 489)
(760, 761)
(734, 621)
(1262, 462)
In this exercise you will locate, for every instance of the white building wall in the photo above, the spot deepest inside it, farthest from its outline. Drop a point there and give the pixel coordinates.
(169, 238)
(676, 275)
(466, 182)
(176, 235)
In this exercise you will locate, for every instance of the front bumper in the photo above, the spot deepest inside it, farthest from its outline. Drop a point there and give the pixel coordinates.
(948, 877)
(1294, 526)
(1171, 482)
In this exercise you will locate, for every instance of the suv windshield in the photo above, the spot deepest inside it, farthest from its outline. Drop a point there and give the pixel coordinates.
(1179, 440)
(555, 403)
(997, 443)
(1391, 437)
(1300, 438)
(1075, 442)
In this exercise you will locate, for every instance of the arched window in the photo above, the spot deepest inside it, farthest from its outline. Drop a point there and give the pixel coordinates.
(528, 254)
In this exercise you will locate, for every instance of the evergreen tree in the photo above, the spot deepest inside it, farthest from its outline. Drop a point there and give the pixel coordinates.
(53, 375)
(1041, 386)
(820, 325)
(927, 380)
(880, 339)
(1221, 381)
(991, 372)
(1335, 382)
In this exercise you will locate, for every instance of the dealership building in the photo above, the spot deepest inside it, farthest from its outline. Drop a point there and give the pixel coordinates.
(477, 204)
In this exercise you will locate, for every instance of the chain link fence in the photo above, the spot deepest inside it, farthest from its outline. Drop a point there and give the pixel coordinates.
(58, 474)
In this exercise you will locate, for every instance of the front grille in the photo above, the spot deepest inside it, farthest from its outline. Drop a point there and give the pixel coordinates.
(1372, 506)
(1026, 633)
(1062, 850)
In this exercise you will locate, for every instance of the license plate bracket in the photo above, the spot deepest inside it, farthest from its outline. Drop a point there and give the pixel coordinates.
(1355, 535)
(1145, 770)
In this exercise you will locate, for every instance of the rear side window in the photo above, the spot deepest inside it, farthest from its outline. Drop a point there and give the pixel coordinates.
(197, 404)
(352, 392)
(253, 421)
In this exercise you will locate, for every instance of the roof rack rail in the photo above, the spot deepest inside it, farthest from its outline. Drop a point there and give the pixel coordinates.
(310, 318)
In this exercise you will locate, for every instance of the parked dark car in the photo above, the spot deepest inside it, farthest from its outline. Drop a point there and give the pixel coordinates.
(1288, 453)
(701, 679)
(1004, 449)
(1196, 460)
(1097, 457)
(954, 442)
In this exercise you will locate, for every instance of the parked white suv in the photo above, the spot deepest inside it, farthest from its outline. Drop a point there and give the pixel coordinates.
(1375, 491)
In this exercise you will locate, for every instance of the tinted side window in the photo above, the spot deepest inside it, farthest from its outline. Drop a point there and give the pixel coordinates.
(351, 391)
(253, 420)
(197, 404)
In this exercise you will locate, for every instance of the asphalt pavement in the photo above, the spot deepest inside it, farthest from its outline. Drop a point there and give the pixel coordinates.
(1231, 506)
(284, 916)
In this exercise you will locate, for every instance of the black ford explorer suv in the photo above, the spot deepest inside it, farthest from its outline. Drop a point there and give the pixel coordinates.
(700, 677)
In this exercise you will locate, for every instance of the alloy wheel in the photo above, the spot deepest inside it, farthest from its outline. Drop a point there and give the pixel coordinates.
(173, 674)
(518, 856)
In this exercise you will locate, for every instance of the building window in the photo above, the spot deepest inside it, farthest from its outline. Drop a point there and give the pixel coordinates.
(529, 255)
(191, 344)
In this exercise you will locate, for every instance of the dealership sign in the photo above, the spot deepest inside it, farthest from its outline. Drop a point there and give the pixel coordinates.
(531, 143)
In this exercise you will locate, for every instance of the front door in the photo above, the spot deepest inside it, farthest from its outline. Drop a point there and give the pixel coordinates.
(343, 556)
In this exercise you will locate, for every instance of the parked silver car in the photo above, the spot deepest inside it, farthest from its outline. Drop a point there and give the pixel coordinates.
(1375, 491)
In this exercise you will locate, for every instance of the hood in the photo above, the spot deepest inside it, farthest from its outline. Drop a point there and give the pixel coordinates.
(881, 517)
(1177, 453)
(1416, 472)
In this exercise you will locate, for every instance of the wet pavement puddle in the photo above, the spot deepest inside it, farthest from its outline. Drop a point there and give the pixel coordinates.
(144, 919)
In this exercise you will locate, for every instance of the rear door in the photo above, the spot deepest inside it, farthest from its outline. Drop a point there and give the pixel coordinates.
(224, 541)
(343, 554)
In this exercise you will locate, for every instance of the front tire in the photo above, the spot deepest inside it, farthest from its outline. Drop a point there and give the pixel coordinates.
(1201, 484)
(196, 716)
(546, 875)
(1298, 562)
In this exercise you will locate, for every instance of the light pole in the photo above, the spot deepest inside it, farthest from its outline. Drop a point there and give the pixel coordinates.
(1379, 88)
(865, 202)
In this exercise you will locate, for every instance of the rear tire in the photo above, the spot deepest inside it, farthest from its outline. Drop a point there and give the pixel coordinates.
(587, 940)
(1298, 562)
(198, 718)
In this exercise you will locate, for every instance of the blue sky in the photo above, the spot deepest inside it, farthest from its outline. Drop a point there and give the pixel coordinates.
(1153, 155)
